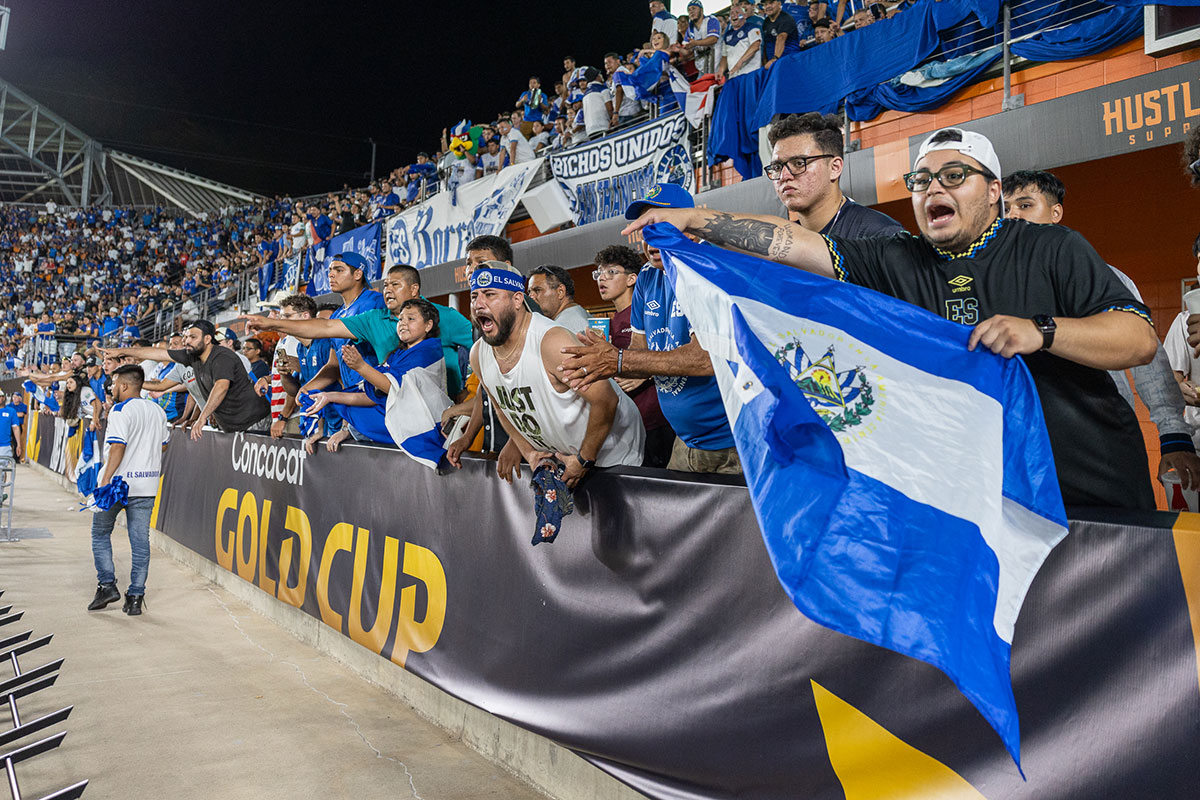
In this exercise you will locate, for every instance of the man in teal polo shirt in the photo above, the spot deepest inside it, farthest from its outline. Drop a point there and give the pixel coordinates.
(377, 326)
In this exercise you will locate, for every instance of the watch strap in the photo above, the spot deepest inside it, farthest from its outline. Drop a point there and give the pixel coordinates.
(1048, 327)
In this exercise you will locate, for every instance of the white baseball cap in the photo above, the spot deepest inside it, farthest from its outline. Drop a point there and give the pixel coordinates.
(969, 143)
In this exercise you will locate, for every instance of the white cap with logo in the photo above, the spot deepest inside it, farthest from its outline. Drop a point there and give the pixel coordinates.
(971, 144)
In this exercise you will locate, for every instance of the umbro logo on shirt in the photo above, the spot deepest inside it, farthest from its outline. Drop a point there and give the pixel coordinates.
(652, 305)
(961, 283)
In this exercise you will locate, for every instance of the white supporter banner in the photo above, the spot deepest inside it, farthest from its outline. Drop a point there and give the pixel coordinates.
(601, 179)
(439, 229)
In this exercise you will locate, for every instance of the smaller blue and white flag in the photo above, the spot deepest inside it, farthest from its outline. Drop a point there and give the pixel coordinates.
(42, 395)
(87, 469)
(416, 401)
(288, 276)
(646, 78)
(266, 278)
(905, 486)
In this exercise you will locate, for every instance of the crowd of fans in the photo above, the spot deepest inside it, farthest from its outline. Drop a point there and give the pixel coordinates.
(692, 51)
(641, 390)
(89, 273)
(328, 374)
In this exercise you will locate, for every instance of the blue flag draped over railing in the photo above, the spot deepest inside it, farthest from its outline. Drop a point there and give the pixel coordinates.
(905, 486)
(87, 470)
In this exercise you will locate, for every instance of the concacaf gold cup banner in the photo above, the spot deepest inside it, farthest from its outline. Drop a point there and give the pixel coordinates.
(653, 637)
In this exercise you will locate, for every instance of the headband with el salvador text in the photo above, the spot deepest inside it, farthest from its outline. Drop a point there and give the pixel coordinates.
(490, 278)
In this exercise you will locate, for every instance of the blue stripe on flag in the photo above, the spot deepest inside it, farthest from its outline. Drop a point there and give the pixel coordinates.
(425, 447)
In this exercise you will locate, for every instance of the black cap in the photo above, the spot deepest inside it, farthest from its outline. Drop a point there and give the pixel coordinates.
(205, 327)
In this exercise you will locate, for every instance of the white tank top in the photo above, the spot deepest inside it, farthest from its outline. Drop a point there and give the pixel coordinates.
(553, 420)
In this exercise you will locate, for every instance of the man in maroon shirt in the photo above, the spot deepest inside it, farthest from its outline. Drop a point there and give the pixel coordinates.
(616, 272)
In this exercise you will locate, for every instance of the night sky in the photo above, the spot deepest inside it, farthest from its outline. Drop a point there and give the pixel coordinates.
(280, 98)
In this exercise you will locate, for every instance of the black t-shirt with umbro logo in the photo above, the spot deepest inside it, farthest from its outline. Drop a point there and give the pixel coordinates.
(1020, 269)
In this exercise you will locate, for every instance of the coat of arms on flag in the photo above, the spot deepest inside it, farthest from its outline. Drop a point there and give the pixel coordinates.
(842, 399)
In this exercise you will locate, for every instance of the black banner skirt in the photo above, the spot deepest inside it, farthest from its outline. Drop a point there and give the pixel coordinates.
(654, 639)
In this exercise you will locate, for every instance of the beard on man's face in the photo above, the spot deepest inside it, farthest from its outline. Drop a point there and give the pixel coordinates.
(499, 328)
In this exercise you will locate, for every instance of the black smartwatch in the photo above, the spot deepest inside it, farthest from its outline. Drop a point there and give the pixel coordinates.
(1046, 324)
(587, 464)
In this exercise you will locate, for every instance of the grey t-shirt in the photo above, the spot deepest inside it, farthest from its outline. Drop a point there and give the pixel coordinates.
(186, 376)
(574, 318)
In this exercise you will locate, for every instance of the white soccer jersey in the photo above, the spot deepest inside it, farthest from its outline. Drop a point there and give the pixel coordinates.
(140, 425)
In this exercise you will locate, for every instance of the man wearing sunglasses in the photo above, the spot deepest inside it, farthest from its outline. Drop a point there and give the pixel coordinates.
(1036, 290)
(806, 168)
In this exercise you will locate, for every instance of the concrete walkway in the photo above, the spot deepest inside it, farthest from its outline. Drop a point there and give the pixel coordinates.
(201, 697)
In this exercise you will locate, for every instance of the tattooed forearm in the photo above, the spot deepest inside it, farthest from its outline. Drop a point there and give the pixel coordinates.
(751, 235)
(781, 245)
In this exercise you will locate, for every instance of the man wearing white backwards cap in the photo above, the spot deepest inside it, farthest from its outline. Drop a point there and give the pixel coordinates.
(1039, 291)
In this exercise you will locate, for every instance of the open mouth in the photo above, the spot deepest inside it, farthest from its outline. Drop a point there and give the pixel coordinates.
(485, 321)
(939, 214)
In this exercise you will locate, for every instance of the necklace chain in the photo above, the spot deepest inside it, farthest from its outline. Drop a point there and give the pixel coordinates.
(513, 349)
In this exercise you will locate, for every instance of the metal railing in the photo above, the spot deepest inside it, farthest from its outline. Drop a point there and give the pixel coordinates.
(24, 683)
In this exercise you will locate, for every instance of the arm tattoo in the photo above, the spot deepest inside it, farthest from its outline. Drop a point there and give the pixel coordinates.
(751, 235)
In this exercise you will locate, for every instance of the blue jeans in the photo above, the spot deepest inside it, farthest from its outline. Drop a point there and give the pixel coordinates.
(137, 519)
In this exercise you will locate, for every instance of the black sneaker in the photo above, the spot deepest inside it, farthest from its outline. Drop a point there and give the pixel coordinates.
(133, 604)
(105, 593)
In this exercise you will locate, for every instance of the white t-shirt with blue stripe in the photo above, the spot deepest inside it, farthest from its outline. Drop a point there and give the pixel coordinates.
(140, 425)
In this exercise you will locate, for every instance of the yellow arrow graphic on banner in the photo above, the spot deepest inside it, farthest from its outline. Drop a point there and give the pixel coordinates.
(1187, 550)
(873, 764)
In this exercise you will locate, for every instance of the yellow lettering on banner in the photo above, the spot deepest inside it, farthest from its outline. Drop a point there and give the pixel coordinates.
(225, 538)
(374, 638)
(873, 764)
(1188, 110)
(1112, 117)
(264, 583)
(247, 513)
(297, 523)
(1153, 108)
(341, 537)
(157, 503)
(1187, 550)
(33, 447)
(1168, 93)
(413, 636)
(1130, 103)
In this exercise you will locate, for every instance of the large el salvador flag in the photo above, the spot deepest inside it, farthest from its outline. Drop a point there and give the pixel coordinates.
(905, 487)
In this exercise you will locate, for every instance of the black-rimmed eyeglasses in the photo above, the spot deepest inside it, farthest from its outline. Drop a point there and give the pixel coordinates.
(797, 165)
(948, 177)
